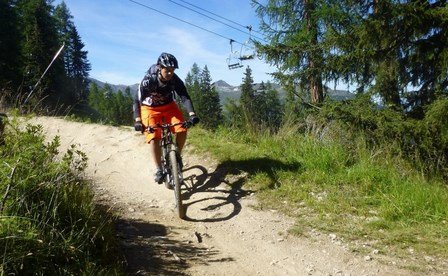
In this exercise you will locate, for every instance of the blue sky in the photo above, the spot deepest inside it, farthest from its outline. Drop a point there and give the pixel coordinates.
(124, 38)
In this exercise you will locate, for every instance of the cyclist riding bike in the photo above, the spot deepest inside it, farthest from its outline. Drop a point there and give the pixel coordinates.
(154, 104)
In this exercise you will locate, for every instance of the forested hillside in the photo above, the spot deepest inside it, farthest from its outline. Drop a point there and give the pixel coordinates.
(32, 32)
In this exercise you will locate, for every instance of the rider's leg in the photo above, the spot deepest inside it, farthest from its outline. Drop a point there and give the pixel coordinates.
(156, 152)
(181, 138)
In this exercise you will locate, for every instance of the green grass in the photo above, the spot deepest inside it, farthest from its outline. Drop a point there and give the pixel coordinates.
(358, 193)
(49, 223)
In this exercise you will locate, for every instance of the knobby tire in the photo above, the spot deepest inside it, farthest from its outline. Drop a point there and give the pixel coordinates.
(175, 170)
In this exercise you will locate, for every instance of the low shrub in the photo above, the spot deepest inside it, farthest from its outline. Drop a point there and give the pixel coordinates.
(49, 223)
(423, 142)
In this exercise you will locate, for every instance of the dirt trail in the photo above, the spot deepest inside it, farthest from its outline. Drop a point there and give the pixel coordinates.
(223, 234)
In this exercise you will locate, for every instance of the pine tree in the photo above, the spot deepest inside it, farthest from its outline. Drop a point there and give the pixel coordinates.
(126, 112)
(107, 106)
(233, 114)
(39, 44)
(80, 66)
(94, 97)
(192, 82)
(295, 42)
(247, 100)
(274, 108)
(110, 107)
(9, 49)
(76, 64)
(395, 49)
(64, 23)
(292, 110)
(247, 91)
(268, 111)
(210, 110)
(259, 115)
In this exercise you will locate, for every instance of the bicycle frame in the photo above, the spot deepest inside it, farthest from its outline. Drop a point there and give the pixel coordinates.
(167, 145)
(171, 163)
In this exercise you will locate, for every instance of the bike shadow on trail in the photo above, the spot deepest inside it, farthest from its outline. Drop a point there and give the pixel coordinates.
(149, 250)
(234, 174)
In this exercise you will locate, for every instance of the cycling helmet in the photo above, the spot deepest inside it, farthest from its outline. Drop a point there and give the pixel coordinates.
(167, 60)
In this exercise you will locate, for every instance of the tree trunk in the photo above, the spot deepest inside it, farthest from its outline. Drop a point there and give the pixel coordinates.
(315, 81)
(314, 56)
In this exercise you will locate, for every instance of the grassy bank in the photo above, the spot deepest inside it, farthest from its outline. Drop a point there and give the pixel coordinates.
(49, 224)
(362, 195)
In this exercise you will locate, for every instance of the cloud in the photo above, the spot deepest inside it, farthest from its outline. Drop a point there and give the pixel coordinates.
(192, 46)
(115, 77)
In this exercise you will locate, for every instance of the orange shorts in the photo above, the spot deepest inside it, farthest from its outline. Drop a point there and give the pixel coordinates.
(169, 113)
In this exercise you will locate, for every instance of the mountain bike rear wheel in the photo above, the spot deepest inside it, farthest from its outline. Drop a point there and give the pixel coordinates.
(176, 181)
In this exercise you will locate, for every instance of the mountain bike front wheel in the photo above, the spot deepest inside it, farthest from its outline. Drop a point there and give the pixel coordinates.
(166, 169)
(176, 181)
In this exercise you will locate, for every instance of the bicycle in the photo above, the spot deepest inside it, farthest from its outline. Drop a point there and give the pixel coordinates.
(171, 162)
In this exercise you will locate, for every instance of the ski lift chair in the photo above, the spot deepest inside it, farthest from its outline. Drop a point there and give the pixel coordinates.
(247, 49)
(233, 61)
(235, 65)
(246, 57)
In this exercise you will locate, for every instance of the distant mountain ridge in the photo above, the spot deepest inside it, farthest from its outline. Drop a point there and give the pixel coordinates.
(227, 91)
(115, 87)
(221, 83)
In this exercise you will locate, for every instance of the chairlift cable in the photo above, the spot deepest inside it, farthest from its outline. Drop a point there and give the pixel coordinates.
(212, 13)
(186, 22)
(217, 15)
(209, 17)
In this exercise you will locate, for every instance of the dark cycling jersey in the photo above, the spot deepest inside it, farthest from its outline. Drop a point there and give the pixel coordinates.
(154, 92)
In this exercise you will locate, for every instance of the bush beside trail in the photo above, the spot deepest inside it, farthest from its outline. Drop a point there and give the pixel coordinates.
(49, 223)
(423, 142)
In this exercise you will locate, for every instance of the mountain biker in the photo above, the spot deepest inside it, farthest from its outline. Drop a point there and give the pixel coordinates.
(154, 104)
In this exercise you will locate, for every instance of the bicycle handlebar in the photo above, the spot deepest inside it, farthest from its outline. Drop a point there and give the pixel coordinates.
(151, 129)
